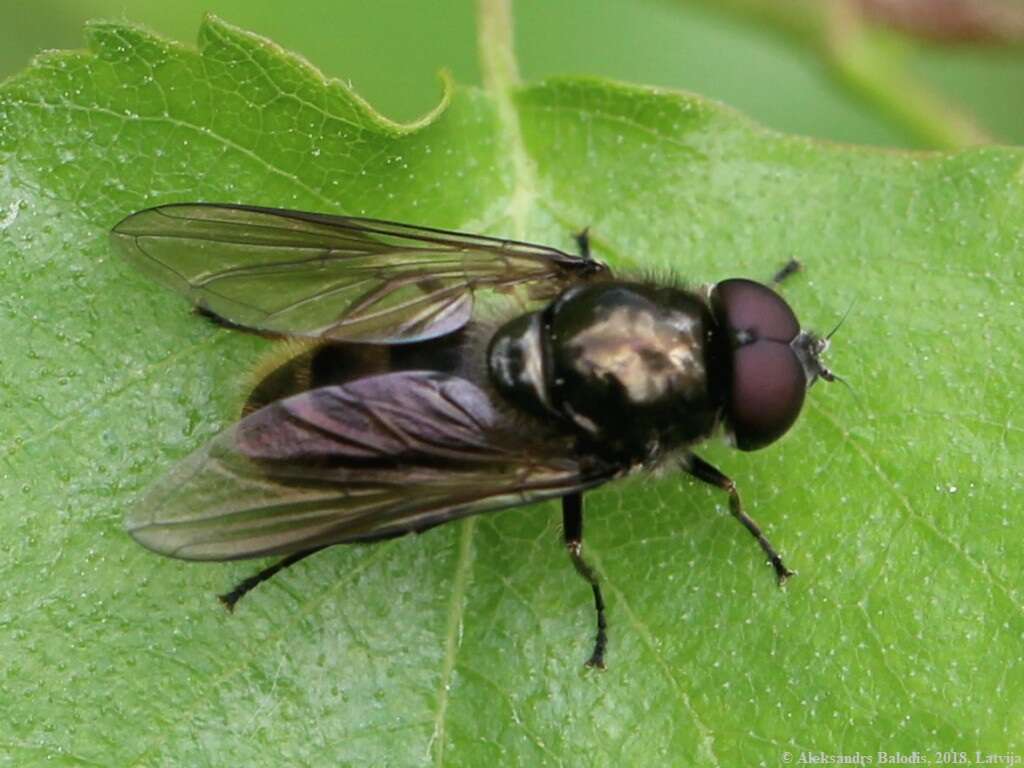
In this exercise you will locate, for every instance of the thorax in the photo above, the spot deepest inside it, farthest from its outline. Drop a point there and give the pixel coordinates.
(627, 364)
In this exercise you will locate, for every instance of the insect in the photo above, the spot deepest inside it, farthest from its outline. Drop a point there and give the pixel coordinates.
(405, 406)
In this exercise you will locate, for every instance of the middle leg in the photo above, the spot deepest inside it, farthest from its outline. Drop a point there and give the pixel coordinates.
(572, 531)
(583, 243)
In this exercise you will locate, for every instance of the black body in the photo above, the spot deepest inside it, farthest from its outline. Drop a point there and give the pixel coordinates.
(633, 369)
(402, 410)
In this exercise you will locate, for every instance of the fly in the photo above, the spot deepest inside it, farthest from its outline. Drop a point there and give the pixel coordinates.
(401, 406)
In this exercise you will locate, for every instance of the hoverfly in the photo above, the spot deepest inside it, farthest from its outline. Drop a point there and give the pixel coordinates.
(406, 408)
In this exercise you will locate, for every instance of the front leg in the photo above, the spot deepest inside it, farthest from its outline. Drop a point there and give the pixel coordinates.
(572, 531)
(696, 466)
(788, 269)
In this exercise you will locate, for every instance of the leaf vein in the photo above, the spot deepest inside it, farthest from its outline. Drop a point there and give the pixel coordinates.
(707, 738)
(453, 635)
(204, 131)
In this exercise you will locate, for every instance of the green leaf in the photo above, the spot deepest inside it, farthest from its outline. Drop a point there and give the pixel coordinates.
(464, 646)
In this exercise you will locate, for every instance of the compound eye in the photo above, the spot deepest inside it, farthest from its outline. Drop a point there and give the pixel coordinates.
(746, 307)
(768, 387)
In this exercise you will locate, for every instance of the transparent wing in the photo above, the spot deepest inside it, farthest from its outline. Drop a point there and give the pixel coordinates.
(337, 277)
(375, 457)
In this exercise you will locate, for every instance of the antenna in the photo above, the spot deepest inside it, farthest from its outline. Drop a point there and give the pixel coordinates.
(841, 320)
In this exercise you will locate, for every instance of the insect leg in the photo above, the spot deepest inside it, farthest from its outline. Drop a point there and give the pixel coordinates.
(583, 241)
(247, 585)
(701, 470)
(572, 530)
(791, 267)
(205, 312)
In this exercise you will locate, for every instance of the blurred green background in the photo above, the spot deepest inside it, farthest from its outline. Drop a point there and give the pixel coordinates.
(779, 73)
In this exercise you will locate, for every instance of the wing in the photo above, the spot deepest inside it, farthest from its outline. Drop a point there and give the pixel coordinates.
(376, 457)
(335, 277)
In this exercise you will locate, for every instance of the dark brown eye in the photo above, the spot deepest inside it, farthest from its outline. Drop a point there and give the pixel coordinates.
(768, 382)
(768, 387)
(750, 309)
